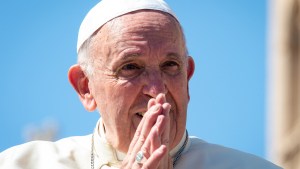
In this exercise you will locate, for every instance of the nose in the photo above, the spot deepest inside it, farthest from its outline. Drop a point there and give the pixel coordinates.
(154, 84)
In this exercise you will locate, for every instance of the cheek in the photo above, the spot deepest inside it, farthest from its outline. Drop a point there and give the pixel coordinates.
(179, 92)
(178, 84)
(116, 98)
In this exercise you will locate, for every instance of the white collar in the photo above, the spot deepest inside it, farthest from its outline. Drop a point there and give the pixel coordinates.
(107, 155)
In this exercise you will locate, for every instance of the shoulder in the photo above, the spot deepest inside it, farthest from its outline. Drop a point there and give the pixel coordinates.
(45, 154)
(212, 156)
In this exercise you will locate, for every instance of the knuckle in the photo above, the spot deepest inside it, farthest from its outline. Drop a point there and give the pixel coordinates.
(146, 152)
(136, 137)
(142, 139)
(137, 133)
(151, 116)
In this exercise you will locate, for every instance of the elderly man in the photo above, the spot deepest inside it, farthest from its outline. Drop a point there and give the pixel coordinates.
(133, 66)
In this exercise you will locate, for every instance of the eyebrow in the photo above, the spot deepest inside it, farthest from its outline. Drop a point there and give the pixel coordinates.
(134, 55)
(174, 55)
(131, 55)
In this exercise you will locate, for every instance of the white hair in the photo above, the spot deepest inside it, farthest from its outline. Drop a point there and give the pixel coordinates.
(85, 60)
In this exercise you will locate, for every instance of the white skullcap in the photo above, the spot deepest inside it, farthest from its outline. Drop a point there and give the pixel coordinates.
(107, 10)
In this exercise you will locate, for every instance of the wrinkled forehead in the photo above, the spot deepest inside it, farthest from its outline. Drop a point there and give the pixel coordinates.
(107, 10)
(136, 30)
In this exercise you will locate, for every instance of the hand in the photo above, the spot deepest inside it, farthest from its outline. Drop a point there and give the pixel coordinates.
(151, 138)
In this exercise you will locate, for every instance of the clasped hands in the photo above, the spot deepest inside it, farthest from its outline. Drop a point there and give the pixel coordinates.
(151, 139)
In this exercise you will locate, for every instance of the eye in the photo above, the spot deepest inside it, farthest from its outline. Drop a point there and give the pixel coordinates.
(129, 70)
(129, 67)
(171, 67)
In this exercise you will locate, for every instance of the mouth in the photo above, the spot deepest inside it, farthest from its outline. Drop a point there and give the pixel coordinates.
(140, 114)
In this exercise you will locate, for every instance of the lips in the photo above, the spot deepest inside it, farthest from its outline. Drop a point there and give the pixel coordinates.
(141, 114)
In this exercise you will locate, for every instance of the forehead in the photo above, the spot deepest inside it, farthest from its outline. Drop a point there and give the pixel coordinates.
(146, 25)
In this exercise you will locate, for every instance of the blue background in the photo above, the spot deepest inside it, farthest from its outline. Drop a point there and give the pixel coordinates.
(227, 39)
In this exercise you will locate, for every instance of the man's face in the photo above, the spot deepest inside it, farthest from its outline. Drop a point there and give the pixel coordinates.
(136, 57)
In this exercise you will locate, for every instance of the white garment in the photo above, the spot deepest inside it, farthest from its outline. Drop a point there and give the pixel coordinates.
(75, 153)
(108, 156)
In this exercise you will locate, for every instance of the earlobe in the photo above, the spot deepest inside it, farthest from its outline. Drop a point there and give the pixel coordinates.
(88, 102)
(80, 83)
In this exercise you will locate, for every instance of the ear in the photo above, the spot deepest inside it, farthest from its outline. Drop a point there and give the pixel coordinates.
(191, 67)
(190, 72)
(80, 83)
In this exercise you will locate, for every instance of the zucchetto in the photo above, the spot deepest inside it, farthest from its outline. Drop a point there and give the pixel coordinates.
(107, 10)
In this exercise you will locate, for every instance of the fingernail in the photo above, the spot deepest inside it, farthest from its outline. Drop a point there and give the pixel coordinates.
(166, 106)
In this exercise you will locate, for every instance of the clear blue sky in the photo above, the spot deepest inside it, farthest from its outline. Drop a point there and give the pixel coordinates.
(228, 91)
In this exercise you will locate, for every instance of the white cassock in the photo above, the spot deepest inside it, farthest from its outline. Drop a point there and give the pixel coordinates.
(75, 153)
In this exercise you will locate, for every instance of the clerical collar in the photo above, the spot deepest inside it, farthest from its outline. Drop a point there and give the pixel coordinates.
(107, 155)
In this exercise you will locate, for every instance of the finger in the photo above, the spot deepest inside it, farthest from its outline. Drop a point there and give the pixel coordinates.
(152, 143)
(142, 132)
(138, 131)
(161, 98)
(154, 138)
(149, 121)
(166, 135)
(155, 159)
(166, 112)
(134, 147)
(136, 135)
(151, 103)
